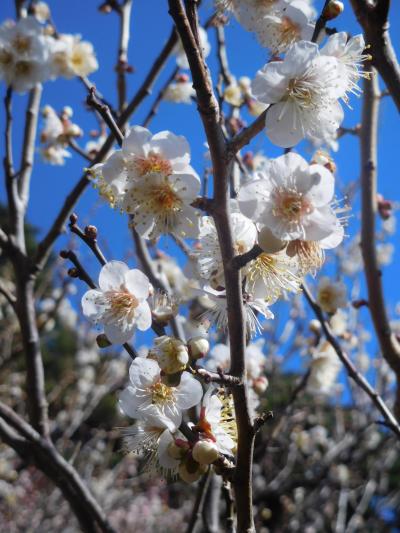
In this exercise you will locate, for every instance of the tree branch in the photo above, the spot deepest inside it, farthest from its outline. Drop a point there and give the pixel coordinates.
(374, 21)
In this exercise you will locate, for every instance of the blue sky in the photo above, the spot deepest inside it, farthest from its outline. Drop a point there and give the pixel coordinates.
(151, 26)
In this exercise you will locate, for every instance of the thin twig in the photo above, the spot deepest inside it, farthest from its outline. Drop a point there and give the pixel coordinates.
(351, 369)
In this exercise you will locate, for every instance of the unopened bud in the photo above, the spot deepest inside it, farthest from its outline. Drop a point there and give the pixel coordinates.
(74, 131)
(73, 272)
(268, 242)
(333, 9)
(198, 347)
(190, 470)
(260, 385)
(73, 218)
(177, 449)
(315, 326)
(102, 341)
(91, 232)
(205, 452)
(67, 111)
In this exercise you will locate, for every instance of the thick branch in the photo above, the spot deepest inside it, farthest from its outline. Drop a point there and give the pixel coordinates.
(374, 21)
(389, 345)
(209, 113)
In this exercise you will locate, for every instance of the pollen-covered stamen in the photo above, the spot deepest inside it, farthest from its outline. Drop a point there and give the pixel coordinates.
(275, 274)
(165, 198)
(286, 33)
(290, 205)
(119, 306)
(310, 255)
(153, 163)
(161, 394)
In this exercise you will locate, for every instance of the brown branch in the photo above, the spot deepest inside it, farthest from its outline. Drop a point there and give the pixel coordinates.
(320, 24)
(209, 113)
(389, 345)
(199, 502)
(247, 134)
(239, 261)
(377, 400)
(104, 111)
(122, 63)
(33, 448)
(28, 150)
(374, 21)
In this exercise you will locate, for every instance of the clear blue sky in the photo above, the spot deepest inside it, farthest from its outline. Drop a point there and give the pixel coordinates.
(151, 25)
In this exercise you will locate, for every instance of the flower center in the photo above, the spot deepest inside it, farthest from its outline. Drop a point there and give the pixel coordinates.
(309, 253)
(326, 296)
(290, 205)
(160, 393)
(5, 58)
(23, 68)
(22, 44)
(302, 91)
(165, 199)
(153, 163)
(122, 302)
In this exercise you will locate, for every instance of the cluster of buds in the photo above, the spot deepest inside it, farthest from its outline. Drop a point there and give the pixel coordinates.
(173, 356)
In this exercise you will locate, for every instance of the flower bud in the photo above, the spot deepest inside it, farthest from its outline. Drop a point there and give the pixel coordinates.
(67, 111)
(198, 347)
(41, 11)
(177, 450)
(102, 341)
(260, 384)
(314, 326)
(74, 130)
(205, 452)
(333, 9)
(268, 242)
(170, 353)
(190, 471)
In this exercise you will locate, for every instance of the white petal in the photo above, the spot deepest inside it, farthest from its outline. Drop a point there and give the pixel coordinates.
(283, 125)
(324, 186)
(112, 275)
(114, 167)
(90, 308)
(117, 336)
(175, 148)
(129, 402)
(136, 141)
(189, 391)
(143, 372)
(143, 316)
(137, 283)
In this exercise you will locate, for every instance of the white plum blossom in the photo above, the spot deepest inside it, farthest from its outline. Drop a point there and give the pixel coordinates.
(24, 54)
(170, 353)
(331, 294)
(285, 25)
(214, 423)
(325, 367)
(255, 359)
(180, 91)
(302, 91)
(151, 440)
(270, 275)
(350, 55)
(148, 398)
(70, 57)
(151, 179)
(120, 302)
(208, 252)
(217, 313)
(179, 52)
(293, 199)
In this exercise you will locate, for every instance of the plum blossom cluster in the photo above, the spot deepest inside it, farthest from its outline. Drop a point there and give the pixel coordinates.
(152, 180)
(57, 132)
(31, 53)
(159, 393)
(303, 90)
